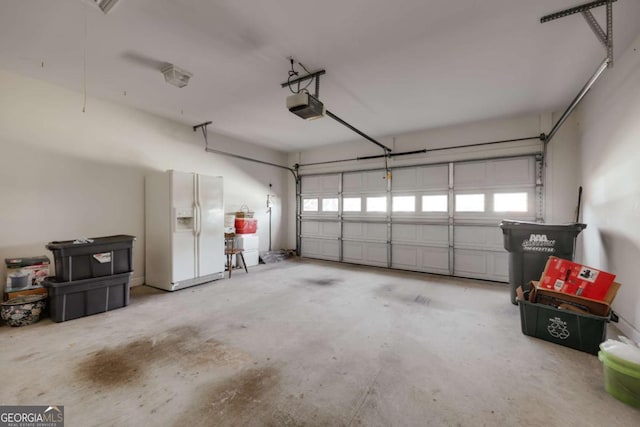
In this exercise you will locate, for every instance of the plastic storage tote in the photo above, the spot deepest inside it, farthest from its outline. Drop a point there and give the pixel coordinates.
(530, 245)
(621, 377)
(71, 300)
(102, 256)
(582, 332)
(247, 242)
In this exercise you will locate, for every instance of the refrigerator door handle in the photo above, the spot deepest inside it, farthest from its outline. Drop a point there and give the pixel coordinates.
(196, 219)
(197, 226)
(196, 198)
(196, 238)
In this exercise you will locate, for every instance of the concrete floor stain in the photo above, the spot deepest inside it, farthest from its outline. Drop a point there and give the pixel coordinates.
(253, 397)
(322, 282)
(388, 292)
(127, 363)
(421, 299)
(235, 400)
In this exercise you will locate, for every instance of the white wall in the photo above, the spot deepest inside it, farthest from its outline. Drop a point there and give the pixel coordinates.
(560, 181)
(609, 131)
(562, 178)
(66, 174)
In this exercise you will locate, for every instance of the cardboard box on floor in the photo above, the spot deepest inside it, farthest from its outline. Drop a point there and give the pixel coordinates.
(36, 269)
(15, 294)
(576, 279)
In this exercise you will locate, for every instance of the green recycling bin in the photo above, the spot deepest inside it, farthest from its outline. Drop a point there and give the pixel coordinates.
(530, 244)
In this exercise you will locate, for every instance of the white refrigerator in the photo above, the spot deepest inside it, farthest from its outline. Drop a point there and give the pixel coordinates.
(184, 229)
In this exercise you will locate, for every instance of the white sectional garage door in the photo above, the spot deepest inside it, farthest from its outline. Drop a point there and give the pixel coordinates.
(434, 218)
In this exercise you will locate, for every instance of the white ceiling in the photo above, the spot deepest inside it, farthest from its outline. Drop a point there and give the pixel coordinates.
(392, 66)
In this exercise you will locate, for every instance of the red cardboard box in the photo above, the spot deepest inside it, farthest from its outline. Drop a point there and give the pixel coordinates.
(571, 278)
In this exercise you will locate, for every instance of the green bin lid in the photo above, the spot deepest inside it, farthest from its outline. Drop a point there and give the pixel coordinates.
(617, 361)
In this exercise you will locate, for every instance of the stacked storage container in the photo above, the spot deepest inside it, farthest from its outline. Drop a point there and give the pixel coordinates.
(249, 243)
(246, 238)
(92, 276)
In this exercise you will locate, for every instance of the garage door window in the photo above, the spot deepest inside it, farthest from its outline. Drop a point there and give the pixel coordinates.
(510, 202)
(469, 202)
(376, 204)
(310, 205)
(352, 204)
(404, 203)
(435, 203)
(330, 205)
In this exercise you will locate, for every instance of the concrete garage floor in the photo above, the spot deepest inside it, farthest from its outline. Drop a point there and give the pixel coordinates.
(308, 343)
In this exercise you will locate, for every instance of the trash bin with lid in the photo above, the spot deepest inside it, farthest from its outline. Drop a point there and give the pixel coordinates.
(530, 244)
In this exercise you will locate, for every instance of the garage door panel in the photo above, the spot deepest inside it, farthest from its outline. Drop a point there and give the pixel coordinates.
(311, 184)
(495, 173)
(470, 174)
(501, 266)
(495, 238)
(320, 249)
(435, 259)
(427, 178)
(418, 258)
(375, 181)
(321, 184)
(376, 254)
(434, 177)
(474, 262)
(405, 257)
(480, 264)
(352, 182)
(421, 233)
(405, 179)
(310, 228)
(369, 181)
(478, 237)
(321, 228)
(513, 171)
(365, 231)
(330, 229)
(366, 253)
(353, 251)
(405, 233)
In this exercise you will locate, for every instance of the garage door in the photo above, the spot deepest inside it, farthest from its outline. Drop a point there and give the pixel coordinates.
(434, 218)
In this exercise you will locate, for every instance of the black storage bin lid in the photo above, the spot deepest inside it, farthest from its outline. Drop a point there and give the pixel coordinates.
(68, 247)
(508, 224)
(547, 239)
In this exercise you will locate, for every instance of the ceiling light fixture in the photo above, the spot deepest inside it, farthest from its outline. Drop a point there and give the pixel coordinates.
(106, 5)
(176, 76)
